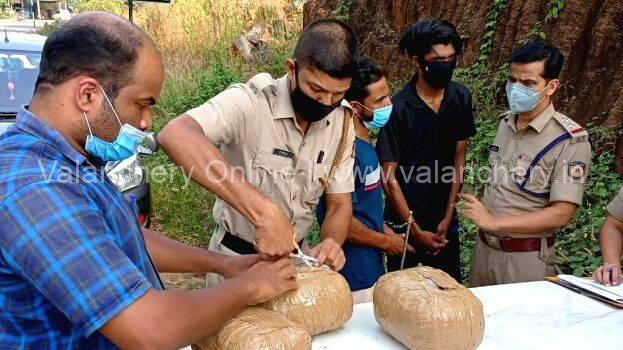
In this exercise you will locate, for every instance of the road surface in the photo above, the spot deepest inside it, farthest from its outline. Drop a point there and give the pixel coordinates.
(23, 26)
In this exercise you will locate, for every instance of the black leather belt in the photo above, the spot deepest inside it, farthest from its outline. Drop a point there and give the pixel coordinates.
(239, 245)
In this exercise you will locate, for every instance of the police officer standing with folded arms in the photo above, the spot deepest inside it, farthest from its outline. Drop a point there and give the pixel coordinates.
(538, 165)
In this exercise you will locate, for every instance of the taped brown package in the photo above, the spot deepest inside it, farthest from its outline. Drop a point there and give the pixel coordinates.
(254, 329)
(425, 308)
(322, 302)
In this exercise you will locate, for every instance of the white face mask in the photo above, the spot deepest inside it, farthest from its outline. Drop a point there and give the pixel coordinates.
(522, 99)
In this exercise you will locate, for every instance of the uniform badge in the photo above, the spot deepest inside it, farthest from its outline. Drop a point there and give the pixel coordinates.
(494, 148)
(576, 170)
(283, 153)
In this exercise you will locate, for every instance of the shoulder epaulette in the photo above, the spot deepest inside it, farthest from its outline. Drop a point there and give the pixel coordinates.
(260, 82)
(575, 130)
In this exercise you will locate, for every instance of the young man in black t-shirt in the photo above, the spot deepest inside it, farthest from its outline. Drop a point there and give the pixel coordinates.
(422, 148)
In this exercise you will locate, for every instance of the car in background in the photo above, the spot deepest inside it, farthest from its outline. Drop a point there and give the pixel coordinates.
(20, 54)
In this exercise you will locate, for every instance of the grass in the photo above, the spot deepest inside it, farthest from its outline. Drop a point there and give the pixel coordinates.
(184, 212)
(183, 209)
(194, 38)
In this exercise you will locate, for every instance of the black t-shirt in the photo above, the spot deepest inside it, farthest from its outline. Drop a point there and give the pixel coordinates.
(424, 145)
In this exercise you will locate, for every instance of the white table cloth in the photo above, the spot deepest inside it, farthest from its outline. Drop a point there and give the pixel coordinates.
(535, 315)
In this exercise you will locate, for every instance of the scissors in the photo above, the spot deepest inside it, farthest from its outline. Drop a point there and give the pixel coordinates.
(300, 255)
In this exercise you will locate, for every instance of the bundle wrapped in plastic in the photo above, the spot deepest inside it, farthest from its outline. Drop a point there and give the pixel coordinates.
(322, 302)
(254, 329)
(425, 308)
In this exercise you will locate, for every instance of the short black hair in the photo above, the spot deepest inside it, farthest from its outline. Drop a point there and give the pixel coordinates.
(539, 50)
(101, 45)
(419, 38)
(330, 46)
(367, 73)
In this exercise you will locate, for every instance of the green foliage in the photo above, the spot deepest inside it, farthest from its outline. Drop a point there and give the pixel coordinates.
(6, 12)
(342, 10)
(192, 89)
(554, 10)
(485, 87)
(184, 212)
(49, 27)
(577, 246)
(182, 208)
(490, 26)
(276, 55)
(114, 6)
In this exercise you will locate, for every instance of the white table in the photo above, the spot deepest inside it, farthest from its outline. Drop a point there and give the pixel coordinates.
(535, 315)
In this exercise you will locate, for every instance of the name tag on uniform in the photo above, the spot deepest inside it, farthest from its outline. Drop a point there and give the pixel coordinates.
(494, 148)
(283, 153)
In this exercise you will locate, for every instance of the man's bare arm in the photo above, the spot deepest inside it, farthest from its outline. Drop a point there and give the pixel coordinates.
(174, 319)
(459, 167)
(611, 243)
(392, 190)
(611, 240)
(334, 230)
(554, 217)
(183, 140)
(362, 235)
(172, 256)
(338, 217)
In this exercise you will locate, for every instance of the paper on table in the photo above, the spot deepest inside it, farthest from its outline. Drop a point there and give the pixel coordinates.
(614, 293)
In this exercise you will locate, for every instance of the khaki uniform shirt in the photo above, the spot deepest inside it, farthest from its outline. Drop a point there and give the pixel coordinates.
(558, 176)
(615, 208)
(255, 127)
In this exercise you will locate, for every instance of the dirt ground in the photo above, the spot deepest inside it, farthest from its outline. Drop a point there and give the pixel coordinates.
(183, 281)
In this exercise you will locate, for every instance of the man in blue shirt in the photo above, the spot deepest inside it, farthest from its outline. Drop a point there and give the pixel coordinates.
(368, 237)
(422, 148)
(76, 271)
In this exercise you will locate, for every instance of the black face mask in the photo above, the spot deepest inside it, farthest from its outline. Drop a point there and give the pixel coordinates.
(307, 107)
(438, 74)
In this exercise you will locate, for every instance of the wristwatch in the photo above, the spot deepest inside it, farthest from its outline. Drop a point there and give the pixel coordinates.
(151, 141)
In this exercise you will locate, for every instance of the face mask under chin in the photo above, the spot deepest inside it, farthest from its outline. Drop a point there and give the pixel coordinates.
(124, 145)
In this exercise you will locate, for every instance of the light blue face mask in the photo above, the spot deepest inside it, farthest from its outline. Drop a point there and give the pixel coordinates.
(522, 99)
(380, 116)
(124, 145)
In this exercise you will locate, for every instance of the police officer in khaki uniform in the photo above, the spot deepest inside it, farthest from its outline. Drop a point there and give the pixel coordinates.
(290, 138)
(538, 165)
(611, 242)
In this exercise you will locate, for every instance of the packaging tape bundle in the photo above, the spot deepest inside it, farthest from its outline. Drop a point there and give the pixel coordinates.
(254, 329)
(322, 302)
(425, 308)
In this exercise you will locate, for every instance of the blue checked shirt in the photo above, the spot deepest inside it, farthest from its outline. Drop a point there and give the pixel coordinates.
(72, 254)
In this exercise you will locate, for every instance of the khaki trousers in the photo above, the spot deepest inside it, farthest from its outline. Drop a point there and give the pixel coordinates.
(491, 266)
